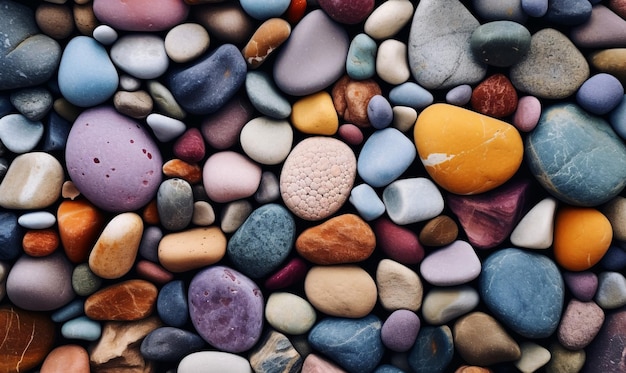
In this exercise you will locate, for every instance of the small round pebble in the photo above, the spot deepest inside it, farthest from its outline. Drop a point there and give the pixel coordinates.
(400, 330)
(186, 42)
(379, 112)
(600, 94)
(289, 313)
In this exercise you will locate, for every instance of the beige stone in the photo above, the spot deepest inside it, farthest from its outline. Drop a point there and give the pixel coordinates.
(533, 357)
(137, 104)
(399, 287)
(192, 249)
(85, 19)
(54, 20)
(115, 251)
(564, 360)
(203, 214)
(186, 42)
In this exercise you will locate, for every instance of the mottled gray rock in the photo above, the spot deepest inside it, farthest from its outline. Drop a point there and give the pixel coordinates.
(33, 103)
(175, 204)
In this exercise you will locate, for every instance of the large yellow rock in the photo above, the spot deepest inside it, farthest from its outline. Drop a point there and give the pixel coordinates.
(315, 114)
(466, 152)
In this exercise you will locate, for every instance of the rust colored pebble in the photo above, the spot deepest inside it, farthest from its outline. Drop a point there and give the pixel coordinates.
(495, 97)
(150, 213)
(40, 242)
(79, 224)
(125, 301)
(192, 173)
(293, 272)
(55, 20)
(351, 98)
(439, 231)
(295, 11)
(153, 272)
(67, 358)
(266, 39)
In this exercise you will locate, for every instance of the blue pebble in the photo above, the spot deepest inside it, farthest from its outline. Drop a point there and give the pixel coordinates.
(618, 118)
(361, 60)
(263, 241)
(379, 112)
(87, 76)
(10, 236)
(169, 344)
(433, 350)
(385, 156)
(600, 94)
(459, 95)
(206, 85)
(82, 328)
(568, 12)
(523, 290)
(410, 94)
(5, 105)
(265, 9)
(386, 368)
(71, 310)
(149, 245)
(354, 344)
(55, 133)
(535, 8)
(265, 96)
(364, 198)
(172, 304)
(615, 258)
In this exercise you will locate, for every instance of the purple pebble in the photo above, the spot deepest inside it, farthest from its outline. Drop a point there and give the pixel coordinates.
(583, 285)
(600, 94)
(400, 330)
(379, 112)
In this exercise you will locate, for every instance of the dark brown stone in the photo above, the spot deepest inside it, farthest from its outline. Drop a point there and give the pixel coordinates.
(439, 231)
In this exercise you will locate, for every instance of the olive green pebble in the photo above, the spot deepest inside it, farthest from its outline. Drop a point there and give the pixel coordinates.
(84, 281)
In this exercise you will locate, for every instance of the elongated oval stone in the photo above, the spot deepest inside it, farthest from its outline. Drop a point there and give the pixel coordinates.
(124, 301)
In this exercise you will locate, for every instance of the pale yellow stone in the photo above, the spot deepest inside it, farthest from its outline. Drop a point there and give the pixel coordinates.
(533, 357)
(192, 249)
(289, 313)
(315, 114)
(115, 252)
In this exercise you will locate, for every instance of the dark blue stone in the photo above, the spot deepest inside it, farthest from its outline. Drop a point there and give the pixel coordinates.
(149, 245)
(70, 311)
(10, 236)
(5, 105)
(170, 344)
(615, 258)
(354, 344)
(523, 290)
(209, 83)
(263, 241)
(433, 350)
(388, 369)
(568, 12)
(172, 304)
(55, 133)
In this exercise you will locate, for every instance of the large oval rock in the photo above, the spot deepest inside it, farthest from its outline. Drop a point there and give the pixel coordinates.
(192, 248)
(142, 15)
(219, 361)
(576, 156)
(226, 308)
(523, 290)
(124, 301)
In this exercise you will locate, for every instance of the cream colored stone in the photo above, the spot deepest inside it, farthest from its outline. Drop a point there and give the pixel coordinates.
(186, 42)
(399, 287)
(404, 118)
(288, 313)
(389, 18)
(446, 303)
(392, 64)
(192, 249)
(115, 252)
(203, 214)
(615, 211)
(536, 229)
(533, 357)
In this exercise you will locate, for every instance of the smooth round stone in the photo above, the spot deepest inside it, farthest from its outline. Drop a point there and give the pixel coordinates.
(404, 118)
(84, 281)
(433, 350)
(315, 114)
(227, 22)
(500, 43)
(604, 354)
(580, 324)
(105, 34)
(523, 290)
(441, 305)
(164, 100)
(170, 344)
(568, 13)
(582, 285)
(391, 62)
(207, 85)
(341, 290)
(171, 305)
(534, 357)
(289, 313)
(361, 59)
(71, 310)
(399, 330)
(81, 328)
(399, 243)
(386, 154)
(234, 320)
(229, 176)
(535, 8)
(269, 188)
(317, 177)
(265, 97)
(313, 57)
(190, 146)
(615, 211)
(141, 15)
(140, 55)
(165, 128)
(451, 265)
(219, 361)
(136, 104)
(54, 20)
(564, 360)
(265, 10)
(600, 94)
(536, 229)
(80, 223)
(87, 77)
(364, 198)
(527, 114)
(439, 231)
(234, 214)
(270, 35)
(610, 61)
(379, 112)
(611, 292)
(412, 200)
(20, 134)
(203, 214)
(55, 133)
(37, 220)
(33, 103)
(347, 11)
(291, 273)
(186, 42)
(614, 259)
(399, 287)
(553, 68)
(354, 344)
(495, 97)
(266, 140)
(388, 19)
(148, 247)
(191, 249)
(40, 242)
(134, 300)
(68, 357)
(459, 95)
(176, 168)
(464, 161)
(49, 290)
(411, 95)
(175, 204)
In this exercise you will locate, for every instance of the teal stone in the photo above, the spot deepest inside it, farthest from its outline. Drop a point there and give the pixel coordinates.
(524, 291)
(265, 96)
(500, 43)
(361, 60)
(576, 156)
(354, 344)
(82, 328)
(433, 350)
(71, 310)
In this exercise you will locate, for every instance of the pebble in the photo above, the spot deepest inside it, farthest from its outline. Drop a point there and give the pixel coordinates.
(267, 140)
(615, 210)
(527, 114)
(364, 198)
(391, 62)
(335, 338)
(221, 361)
(191, 249)
(499, 10)
(37, 220)
(133, 300)
(451, 265)
(229, 176)
(564, 123)
(141, 15)
(69, 357)
(500, 43)
(130, 83)
(265, 97)
(54, 20)
(347, 11)
(386, 154)
(170, 344)
(289, 313)
(459, 95)
(176, 168)
(20, 134)
(186, 42)
(412, 200)
(221, 130)
(564, 360)
(84, 281)
(614, 259)
(536, 229)
(388, 19)
(175, 204)
(10, 236)
(600, 94)
(55, 133)
(82, 328)
(315, 114)
(316, 364)
(165, 128)
(439, 231)
(403, 118)
(604, 353)
(351, 98)
(603, 29)
(268, 37)
(344, 291)
(399, 330)
(411, 95)
(136, 104)
(611, 292)
(616, 119)
(399, 243)
(105, 35)
(272, 8)
(190, 146)
(291, 273)
(40, 242)
(361, 59)
(171, 305)
(269, 188)
(228, 23)
(164, 100)
(33, 103)
(275, 352)
(534, 357)
(433, 350)
(140, 55)
(153, 272)
(580, 324)
(379, 112)
(234, 214)
(203, 214)
(568, 13)
(495, 97)
(441, 305)
(610, 61)
(399, 287)
(582, 285)
(79, 223)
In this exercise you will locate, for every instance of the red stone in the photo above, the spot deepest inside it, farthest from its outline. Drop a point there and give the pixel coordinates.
(190, 146)
(495, 97)
(292, 273)
(398, 243)
(347, 11)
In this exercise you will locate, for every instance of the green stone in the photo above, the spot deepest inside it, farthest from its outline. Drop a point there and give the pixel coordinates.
(84, 281)
(500, 43)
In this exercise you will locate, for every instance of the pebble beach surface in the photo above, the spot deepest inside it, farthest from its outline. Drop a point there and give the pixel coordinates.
(276, 186)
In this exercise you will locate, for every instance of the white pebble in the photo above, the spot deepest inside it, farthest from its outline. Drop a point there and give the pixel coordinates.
(389, 18)
(105, 34)
(165, 128)
(267, 140)
(404, 118)
(392, 63)
(203, 214)
(129, 83)
(140, 55)
(535, 230)
(186, 42)
(37, 220)
(234, 214)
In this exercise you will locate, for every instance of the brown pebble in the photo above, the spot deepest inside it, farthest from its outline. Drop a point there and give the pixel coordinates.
(439, 231)
(137, 104)
(85, 19)
(351, 98)
(66, 110)
(192, 173)
(153, 272)
(66, 358)
(227, 22)
(269, 36)
(150, 214)
(125, 301)
(55, 20)
(40, 242)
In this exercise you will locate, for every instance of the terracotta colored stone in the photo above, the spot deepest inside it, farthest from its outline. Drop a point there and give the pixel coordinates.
(28, 337)
(495, 96)
(150, 214)
(177, 168)
(66, 358)
(439, 231)
(192, 249)
(55, 20)
(582, 235)
(269, 36)
(153, 272)
(295, 11)
(472, 369)
(79, 224)
(40, 242)
(342, 239)
(124, 301)
(611, 61)
(351, 98)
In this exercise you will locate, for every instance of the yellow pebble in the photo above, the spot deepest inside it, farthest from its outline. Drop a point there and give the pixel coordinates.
(315, 114)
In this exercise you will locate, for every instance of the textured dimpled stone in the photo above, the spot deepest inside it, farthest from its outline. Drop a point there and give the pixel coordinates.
(317, 177)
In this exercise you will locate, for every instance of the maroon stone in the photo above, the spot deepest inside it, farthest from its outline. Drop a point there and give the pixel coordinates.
(292, 273)
(607, 352)
(398, 243)
(582, 285)
(347, 11)
(221, 130)
(350, 134)
(190, 146)
(495, 97)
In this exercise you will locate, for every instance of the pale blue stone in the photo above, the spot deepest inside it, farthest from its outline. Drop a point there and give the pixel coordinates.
(379, 112)
(265, 9)
(385, 156)
(410, 94)
(412, 200)
(71, 310)
(37, 220)
(618, 118)
(82, 328)
(87, 76)
(364, 198)
(361, 60)
(19, 134)
(459, 95)
(265, 96)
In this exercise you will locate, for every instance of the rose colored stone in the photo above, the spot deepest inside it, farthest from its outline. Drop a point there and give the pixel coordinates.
(316, 364)
(267, 38)
(79, 224)
(293, 272)
(229, 176)
(177, 168)
(153, 272)
(221, 129)
(190, 146)
(399, 243)
(40, 242)
(439, 231)
(66, 358)
(351, 134)
(495, 96)
(580, 323)
(124, 301)
(527, 113)
(342, 239)
(347, 11)
(351, 98)
(141, 15)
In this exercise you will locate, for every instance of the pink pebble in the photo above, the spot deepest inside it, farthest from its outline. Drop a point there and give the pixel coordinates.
(229, 176)
(221, 130)
(293, 272)
(527, 114)
(351, 134)
(399, 243)
(190, 146)
(141, 15)
(153, 272)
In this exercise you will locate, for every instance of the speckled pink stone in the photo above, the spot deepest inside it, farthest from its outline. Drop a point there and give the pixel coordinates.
(317, 177)
(141, 15)
(527, 114)
(229, 176)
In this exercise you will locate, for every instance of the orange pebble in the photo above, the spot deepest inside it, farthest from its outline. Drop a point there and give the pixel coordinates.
(582, 235)
(150, 213)
(40, 242)
(295, 11)
(191, 173)
(80, 223)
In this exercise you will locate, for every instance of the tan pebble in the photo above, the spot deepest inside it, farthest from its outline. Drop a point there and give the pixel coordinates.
(165, 101)
(615, 211)
(85, 19)
(439, 231)
(227, 22)
(564, 360)
(69, 190)
(192, 249)
(124, 301)
(40, 242)
(55, 20)
(192, 173)
(203, 213)
(269, 36)
(186, 42)
(399, 287)
(533, 357)
(66, 110)
(67, 358)
(316, 364)
(341, 291)
(234, 214)
(114, 253)
(137, 104)
(351, 98)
